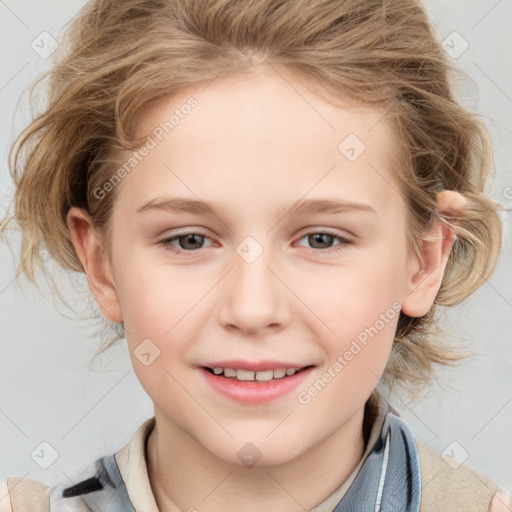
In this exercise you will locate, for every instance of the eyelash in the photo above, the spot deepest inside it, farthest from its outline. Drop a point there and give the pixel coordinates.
(167, 243)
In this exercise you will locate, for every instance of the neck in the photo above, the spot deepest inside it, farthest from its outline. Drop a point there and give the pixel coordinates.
(185, 476)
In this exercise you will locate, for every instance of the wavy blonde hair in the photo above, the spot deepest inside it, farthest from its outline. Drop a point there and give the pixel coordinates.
(121, 56)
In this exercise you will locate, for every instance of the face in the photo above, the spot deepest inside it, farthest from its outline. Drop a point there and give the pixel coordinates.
(261, 279)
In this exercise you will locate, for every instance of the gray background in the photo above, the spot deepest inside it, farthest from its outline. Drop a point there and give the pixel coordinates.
(50, 393)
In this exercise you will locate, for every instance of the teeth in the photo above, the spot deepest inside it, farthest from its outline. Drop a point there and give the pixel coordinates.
(229, 372)
(244, 375)
(249, 375)
(264, 376)
(279, 373)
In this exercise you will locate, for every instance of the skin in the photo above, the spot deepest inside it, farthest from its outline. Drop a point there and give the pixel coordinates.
(254, 145)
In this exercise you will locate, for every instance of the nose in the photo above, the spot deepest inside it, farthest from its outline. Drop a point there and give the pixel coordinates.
(255, 298)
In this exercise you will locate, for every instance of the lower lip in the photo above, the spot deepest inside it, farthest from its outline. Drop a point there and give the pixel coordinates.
(252, 391)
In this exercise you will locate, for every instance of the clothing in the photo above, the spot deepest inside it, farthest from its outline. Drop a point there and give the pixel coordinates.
(396, 470)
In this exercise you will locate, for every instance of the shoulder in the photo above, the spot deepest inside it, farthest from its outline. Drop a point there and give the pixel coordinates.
(501, 502)
(28, 495)
(5, 499)
(101, 478)
(99, 481)
(448, 484)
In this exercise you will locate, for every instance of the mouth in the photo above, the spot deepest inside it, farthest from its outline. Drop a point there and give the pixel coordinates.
(261, 376)
(255, 383)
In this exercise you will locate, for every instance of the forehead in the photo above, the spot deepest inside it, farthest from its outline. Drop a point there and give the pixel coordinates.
(266, 131)
(265, 101)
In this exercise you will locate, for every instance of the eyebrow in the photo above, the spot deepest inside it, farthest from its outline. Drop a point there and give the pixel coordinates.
(300, 207)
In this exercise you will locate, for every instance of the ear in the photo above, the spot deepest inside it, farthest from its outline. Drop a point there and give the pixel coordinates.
(95, 262)
(425, 274)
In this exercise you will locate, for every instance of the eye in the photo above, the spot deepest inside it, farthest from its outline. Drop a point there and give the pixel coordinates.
(324, 239)
(188, 242)
(192, 241)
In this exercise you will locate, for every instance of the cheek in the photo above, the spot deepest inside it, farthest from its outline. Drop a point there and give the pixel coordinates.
(359, 307)
(154, 297)
(158, 334)
(156, 306)
(354, 297)
(364, 325)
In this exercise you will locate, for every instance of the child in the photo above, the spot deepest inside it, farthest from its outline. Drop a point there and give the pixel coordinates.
(260, 131)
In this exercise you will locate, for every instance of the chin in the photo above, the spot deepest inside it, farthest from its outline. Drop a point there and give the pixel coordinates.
(257, 453)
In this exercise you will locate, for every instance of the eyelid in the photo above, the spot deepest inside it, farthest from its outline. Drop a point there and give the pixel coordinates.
(343, 240)
(307, 231)
(328, 231)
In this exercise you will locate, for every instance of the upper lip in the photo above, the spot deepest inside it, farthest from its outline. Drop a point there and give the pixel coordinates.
(257, 366)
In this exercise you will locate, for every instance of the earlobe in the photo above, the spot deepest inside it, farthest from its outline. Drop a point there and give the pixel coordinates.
(426, 270)
(95, 263)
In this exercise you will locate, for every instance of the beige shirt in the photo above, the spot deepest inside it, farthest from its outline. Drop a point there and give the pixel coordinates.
(444, 488)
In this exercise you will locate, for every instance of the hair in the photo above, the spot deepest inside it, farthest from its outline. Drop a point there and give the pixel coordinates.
(118, 58)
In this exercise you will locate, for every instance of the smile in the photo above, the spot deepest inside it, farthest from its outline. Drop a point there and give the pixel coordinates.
(257, 376)
(256, 383)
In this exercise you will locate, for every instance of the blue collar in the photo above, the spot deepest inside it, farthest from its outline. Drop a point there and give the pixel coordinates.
(389, 479)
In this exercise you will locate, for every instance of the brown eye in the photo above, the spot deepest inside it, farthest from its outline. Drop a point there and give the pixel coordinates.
(323, 240)
(190, 241)
(187, 242)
